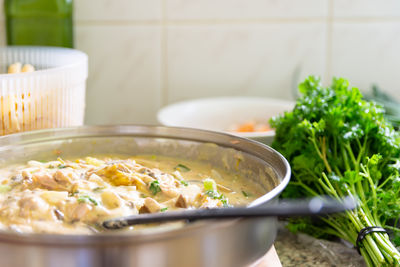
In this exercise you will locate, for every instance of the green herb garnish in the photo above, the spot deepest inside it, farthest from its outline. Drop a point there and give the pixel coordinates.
(216, 195)
(87, 199)
(163, 209)
(61, 166)
(182, 168)
(184, 183)
(98, 189)
(143, 196)
(155, 187)
(338, 144)
(212, 194)
(225, 202)
(246, 194)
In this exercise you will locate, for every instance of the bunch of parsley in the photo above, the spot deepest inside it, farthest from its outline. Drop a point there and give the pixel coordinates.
(338, 144)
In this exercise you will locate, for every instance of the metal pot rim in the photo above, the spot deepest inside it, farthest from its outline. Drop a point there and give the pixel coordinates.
(222, 139)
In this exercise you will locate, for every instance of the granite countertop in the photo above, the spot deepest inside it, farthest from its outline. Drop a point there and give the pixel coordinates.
(303, 250)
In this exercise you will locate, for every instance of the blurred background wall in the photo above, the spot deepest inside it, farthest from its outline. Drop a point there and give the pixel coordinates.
(146, 54)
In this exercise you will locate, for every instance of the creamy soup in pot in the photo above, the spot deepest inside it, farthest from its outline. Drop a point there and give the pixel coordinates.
(75, 196)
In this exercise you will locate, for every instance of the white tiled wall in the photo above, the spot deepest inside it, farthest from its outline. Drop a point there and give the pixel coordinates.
(368, 52)
(244, 59)
(117, 10)
(124, 72)
(146, 54)
(244, 9)
(382, 9)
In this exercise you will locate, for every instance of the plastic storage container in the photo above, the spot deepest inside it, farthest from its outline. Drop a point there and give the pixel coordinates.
(51, 96)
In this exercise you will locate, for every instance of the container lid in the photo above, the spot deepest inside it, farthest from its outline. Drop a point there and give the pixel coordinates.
(55, 67)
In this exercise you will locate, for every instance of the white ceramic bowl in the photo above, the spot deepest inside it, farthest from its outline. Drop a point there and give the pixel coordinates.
(222, 113)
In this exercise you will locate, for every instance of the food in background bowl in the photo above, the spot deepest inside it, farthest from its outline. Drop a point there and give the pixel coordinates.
(250, 126)
(226, 114)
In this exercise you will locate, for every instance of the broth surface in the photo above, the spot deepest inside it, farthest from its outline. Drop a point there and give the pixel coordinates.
(75, 196)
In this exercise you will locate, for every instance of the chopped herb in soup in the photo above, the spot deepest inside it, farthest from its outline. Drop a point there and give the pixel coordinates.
(74, 196)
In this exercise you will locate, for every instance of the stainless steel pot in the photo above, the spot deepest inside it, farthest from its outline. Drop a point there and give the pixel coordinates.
(230, 243)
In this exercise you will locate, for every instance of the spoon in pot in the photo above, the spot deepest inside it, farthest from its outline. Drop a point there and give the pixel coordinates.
(316, 206)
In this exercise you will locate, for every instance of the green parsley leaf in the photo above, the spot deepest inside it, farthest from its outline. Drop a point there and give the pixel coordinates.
(164, 209)
(246, 194)
(98, 189)
(225, 202)
(216, 195)
(184, 183)
(213, 194)
(182, 168)
(155, 187)
(87, 199)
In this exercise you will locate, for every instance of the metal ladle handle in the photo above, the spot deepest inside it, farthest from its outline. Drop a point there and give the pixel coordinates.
(316, 206)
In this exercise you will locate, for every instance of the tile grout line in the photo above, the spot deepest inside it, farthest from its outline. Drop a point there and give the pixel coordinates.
(195, 22)
(164, 56)
(201, 22)
(366, 19)
(329, 39)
